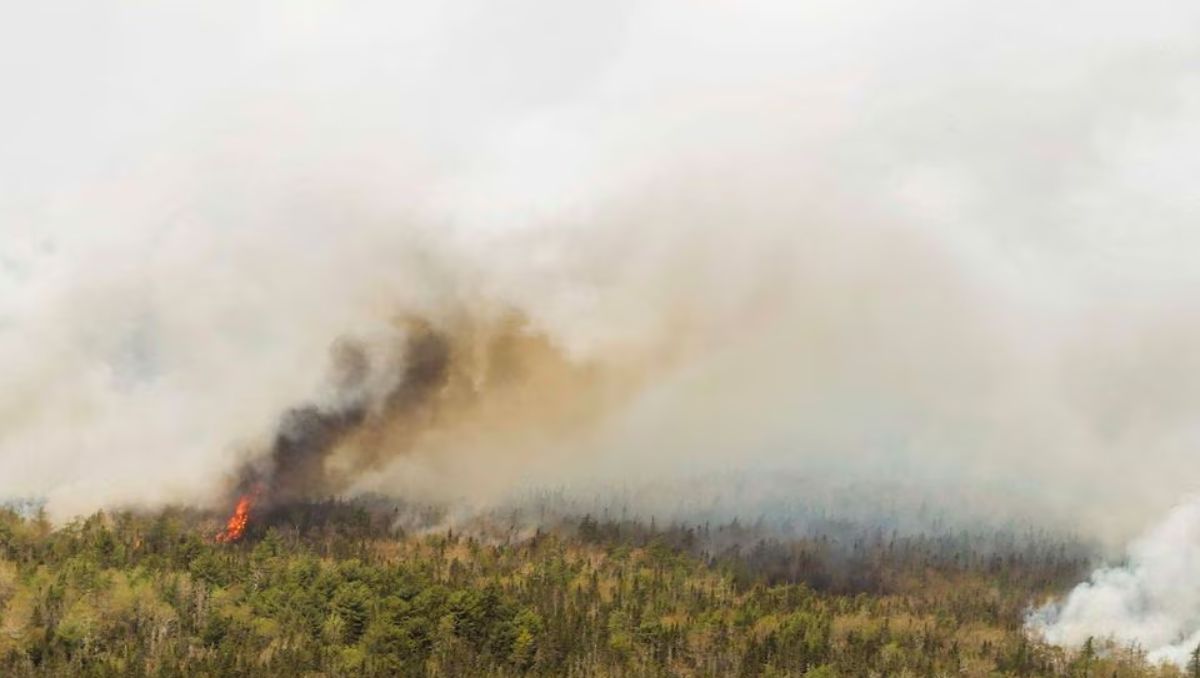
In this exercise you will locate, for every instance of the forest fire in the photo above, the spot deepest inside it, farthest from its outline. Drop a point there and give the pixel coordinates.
(235, 527)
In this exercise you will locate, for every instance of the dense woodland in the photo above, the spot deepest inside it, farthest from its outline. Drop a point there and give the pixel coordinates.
(336, 589)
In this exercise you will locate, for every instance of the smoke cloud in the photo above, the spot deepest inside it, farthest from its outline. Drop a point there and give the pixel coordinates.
(468, 384)
(1146, 602)
(448, 250)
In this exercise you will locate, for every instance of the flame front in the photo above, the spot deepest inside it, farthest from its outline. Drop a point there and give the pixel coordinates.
(236, 525)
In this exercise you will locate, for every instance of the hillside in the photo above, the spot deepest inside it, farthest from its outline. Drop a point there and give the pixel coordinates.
(334, 589)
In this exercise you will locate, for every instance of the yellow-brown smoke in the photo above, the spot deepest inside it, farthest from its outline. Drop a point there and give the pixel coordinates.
(488, 382)
(952, 247)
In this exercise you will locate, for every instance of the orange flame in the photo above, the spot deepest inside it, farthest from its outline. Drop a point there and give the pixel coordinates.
(235, 527)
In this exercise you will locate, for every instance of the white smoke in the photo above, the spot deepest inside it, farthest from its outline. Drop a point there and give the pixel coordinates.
(926, 242)
(1150, 601)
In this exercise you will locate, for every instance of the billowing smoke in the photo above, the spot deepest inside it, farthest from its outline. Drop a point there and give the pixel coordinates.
(446, 250)
(434, 382)
(1149, 601)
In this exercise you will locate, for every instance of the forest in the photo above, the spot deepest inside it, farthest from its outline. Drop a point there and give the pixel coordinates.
(341, 589)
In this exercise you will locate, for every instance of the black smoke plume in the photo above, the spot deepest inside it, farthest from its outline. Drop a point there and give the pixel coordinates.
(472, 382)
(296, 467)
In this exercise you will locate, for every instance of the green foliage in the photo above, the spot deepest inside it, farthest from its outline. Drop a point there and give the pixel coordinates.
(132, 595)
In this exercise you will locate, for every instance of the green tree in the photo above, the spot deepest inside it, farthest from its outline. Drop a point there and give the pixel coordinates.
(352, 603)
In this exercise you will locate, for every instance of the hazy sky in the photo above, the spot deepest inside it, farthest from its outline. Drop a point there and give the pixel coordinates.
(935, 241)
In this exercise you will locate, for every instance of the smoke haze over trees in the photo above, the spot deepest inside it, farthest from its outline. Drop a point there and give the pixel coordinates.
(459, 251)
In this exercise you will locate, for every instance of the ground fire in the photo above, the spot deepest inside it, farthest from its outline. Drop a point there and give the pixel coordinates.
(235, 527)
